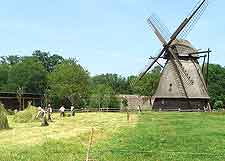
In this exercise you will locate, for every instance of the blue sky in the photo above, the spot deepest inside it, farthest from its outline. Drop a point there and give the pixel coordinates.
(106, 36)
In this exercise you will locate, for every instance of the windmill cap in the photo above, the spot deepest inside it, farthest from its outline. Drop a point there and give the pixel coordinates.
(182, 42)
(184, 47)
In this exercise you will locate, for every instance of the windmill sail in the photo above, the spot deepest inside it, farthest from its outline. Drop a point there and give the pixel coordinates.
(180, 31)
(194, 16)
(159, 29)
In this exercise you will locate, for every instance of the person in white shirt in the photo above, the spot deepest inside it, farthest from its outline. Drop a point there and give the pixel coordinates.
(72, 109)
(49, 111)
(42, 115)
(62, 111)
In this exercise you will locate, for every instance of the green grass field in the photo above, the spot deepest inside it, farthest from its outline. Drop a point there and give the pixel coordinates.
(148, 136)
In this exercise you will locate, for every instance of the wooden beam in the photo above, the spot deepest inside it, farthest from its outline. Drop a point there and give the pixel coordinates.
(207, 72)
(203, 65)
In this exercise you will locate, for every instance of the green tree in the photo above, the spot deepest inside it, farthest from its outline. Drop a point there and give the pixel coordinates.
(69, 80)
(48, 61)
(131, 84)
(216, 85)
(29, 74)
(124, 102)
(218, 105)
(11, 59)
(118, 83)
(103, 96)
(4, 71)
(115, 102)
(100, 96)
(149, 83)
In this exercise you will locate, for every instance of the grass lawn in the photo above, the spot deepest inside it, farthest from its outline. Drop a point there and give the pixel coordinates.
(168, 136)
(148, 136)
(65, 139)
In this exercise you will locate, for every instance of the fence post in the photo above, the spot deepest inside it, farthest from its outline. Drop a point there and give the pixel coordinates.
(90, 143)
(128, 114)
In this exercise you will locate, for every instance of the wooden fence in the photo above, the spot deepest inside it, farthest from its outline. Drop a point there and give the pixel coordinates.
(100, 110)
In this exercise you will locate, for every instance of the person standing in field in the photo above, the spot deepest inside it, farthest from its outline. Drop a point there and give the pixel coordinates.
(62, 111)
(125, 102)
(139, 108)
(40, 113)
(49, 110)
(72, 109)
(44, 121)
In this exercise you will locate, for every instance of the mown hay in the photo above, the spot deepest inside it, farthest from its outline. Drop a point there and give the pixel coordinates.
(3, 118)
(28, 115)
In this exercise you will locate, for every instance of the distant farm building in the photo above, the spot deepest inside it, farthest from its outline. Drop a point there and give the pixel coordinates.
(134, 101)
(12, 101)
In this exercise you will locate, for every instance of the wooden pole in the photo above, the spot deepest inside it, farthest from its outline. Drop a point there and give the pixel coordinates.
(203, 65)
(207, 76)
(128, 114)
(207, 72)
(23, 103)
(90, 143)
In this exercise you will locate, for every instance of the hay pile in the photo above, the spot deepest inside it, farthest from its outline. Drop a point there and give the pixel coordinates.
(3, 118)
(28, 115)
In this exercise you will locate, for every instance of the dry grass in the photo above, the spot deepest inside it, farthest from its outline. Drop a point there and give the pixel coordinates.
(28, 115)
(68, 127)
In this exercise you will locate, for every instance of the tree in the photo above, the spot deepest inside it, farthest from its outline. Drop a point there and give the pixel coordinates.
(131, 82)
(4, 71)
(115, 102)
(216, 85)
(118, 83)
(103, 96)
(29, 75)
(69, 80)
(149, 83)
(218, 105)
(124, 102)
(11, 59)
(48, 61)
(100, 96)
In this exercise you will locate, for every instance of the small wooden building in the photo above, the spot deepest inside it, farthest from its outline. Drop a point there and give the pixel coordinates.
(135, 102)
(12, 101)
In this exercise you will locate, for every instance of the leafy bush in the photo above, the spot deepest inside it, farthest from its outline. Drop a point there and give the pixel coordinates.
(218, 105)
(3, 118)
(114, 102)
(104, 102)
(124, 102)
(94, 102)
(28, 115)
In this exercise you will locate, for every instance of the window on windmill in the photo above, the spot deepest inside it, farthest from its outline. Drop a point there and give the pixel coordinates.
(170, 88)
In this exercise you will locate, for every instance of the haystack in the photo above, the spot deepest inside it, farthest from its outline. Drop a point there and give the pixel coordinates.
(3, 118)
(28, 115)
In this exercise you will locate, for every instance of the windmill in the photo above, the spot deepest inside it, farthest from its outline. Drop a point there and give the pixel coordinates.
(182, 85)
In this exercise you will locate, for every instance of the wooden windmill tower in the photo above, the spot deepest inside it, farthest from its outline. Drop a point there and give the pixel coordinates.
(182, 85)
